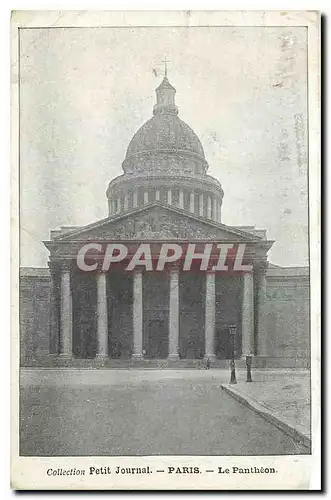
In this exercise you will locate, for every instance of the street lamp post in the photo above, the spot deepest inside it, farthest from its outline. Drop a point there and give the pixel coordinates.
(249, 368)
(233, 331)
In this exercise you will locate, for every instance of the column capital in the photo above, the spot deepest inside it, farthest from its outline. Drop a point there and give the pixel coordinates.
(174, 268)
(210, 272)
(54, 267)
(100, 272)
(65, 266)
(261, 266)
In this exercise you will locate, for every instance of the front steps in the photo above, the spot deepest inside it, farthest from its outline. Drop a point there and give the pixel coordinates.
(52, 361)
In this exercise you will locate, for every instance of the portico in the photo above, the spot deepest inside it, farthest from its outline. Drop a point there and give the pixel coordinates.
(170, 315)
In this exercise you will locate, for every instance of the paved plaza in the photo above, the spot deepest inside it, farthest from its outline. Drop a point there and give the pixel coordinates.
(143, 412)
(284, 396)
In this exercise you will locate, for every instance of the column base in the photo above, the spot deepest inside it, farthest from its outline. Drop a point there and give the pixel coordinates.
(137, 357)
(247, 352)
(65, 355)
(102, 356)
(173, 357)
(212, 357)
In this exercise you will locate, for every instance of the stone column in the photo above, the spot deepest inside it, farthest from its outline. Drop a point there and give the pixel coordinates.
(102, 316)
(192, 200)
(145, 197)
(181, 198)
(126, 203)
(201, 205)
(261, 309)
(157, 195)
(215, 202)
(169, 199)
(173, 314)
(137, 315)
(210, 316)
(65, 313)
(247, 328)
(209, 207)
(135, 199)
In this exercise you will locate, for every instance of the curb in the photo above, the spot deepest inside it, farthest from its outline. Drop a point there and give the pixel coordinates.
(269, 416)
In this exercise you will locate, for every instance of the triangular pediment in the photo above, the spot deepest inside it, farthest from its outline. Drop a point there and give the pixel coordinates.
(157, 221)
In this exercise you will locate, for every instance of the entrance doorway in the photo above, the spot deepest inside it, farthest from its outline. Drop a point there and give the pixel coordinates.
(157, 339)
(223, 343)
(223, 347)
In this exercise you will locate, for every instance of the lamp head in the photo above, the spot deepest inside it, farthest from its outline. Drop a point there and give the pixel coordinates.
(233, 329)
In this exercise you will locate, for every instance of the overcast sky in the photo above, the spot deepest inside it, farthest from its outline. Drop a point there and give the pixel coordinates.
(85, 92)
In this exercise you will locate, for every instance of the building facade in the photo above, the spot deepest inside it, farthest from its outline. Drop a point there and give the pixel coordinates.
(164, 195)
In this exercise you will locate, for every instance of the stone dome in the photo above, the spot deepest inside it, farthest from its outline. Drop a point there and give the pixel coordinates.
(165, 163)
(165, 132)
(165, 144)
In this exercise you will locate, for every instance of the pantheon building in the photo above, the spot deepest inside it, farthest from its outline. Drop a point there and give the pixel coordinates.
(172, 318)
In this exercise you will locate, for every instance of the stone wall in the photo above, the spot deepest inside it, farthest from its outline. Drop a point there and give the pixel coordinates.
(287, 321)
(34, 314)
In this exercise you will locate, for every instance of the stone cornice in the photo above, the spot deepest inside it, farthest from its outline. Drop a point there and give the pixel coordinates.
(288, 272)
(62, 253)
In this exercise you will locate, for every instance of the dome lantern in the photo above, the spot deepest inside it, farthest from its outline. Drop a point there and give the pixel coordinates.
(165, 97)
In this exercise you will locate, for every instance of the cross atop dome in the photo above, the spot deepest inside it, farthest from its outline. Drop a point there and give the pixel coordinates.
(165, 66)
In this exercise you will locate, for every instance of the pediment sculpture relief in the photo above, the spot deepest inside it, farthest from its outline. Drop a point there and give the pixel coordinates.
(158, 226)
